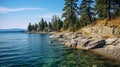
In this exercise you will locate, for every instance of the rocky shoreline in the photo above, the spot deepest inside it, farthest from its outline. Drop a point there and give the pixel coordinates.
(107, 47)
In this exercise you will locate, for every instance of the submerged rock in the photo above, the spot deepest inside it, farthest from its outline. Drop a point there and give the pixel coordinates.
(50, 42)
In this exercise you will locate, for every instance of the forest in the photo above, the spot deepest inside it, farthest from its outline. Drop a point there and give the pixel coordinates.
(77, 14)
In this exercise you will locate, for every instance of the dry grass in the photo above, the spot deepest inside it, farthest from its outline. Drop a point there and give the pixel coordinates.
(114, 23)
(64, 31)
(86, 33)
(106, 36)
(100, 22)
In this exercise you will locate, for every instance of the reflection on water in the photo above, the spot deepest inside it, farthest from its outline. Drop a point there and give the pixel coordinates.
(33, 50)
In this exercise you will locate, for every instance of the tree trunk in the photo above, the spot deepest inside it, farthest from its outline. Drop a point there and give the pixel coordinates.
(108, 10)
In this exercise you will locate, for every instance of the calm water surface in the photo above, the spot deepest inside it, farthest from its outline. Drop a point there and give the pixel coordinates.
(33, 50)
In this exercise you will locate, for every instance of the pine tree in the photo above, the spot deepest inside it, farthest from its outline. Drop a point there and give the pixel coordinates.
(70, 14)
(54, 22)
(59, 24)
(86, 12)
(42, 24)
(101, 9)
(115, 7)
(29, 27)
(50, 25)
(36, 27)
(107, 8)
(33, 27)
(39, 27)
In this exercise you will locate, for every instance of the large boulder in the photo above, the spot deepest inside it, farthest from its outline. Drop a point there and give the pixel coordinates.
(91, 43)
(110, 41)
(114, 49)
(101, 31)
(98, 43)
(56, 36)
(52, 36)
(109, 49)
(73, 43)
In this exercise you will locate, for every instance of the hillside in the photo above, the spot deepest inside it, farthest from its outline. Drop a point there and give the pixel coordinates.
(103, 28)
(112, 23)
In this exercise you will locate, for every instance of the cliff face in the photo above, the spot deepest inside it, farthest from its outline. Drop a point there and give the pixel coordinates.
(103, 29)
(101, 32)
(108, 30)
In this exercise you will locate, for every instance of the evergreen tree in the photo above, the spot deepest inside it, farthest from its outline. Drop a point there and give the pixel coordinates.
(70, 14)
(86, 12)
(33, 27)
(29, 27)
(115, 7)
(101, 9)
(107, 8)
(59, 24)
(50, 25)
(42, 24)
(54, 22)
(36, 27)
(39, 27)
(45, 25)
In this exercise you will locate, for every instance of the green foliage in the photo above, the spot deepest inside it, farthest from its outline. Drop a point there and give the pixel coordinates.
(77, 16)
(115, 6)
(50, 25)
(29, 27)
(56, 23)
(70, 14)
(86, 12)
(107, 8)
(33, 28)
(101, 9)
(36, 27)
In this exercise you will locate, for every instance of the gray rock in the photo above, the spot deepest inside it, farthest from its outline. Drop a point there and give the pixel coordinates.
(109, 49)
(110, 41)
(101, 43)
(73, 43)
(50, 42)
(114, 49)
(60, 39)
(93, 44)
(59, 36)
(52, 36)
(56, 36)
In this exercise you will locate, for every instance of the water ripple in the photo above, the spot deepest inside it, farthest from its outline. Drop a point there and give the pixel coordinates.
(33, 50)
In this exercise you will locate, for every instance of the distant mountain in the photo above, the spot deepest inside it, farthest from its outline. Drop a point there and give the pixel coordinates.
(12, 30)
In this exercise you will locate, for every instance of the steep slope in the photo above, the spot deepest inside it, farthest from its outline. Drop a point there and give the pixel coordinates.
(103, 29)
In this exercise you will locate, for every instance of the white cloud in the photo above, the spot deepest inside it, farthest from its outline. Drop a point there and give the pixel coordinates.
(6, 10)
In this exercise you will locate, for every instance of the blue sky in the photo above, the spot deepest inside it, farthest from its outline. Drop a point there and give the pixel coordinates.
(18, 13)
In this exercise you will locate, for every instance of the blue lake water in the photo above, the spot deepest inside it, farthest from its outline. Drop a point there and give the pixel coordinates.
(33, 50)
